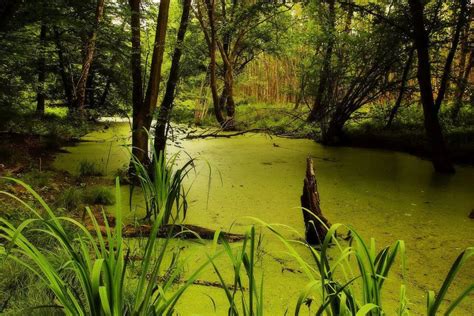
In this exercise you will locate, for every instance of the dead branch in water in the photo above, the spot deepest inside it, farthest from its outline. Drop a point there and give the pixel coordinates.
(218, 133)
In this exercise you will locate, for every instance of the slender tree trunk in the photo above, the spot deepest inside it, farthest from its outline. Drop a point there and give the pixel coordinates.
(153, 88)
(462, 88)
(105, 93)
(143, 110)
(210, 5)
(230, 103)
(317, 109)
(161, 130)
(41, 95)
(65, 75)
(465, 66)
(90, 90)
(440, 157)
(139, 141)
(403, 84)
(87, 61)
(452, 52)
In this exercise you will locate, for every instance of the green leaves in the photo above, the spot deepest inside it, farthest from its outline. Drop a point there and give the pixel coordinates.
(434, 301)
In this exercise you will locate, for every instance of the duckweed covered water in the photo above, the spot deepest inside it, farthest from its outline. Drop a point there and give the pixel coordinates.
(383, 194)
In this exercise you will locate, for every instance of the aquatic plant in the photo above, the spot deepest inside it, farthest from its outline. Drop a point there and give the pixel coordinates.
(89, 168)
(88, 270)
(70, 199)
(243, 260)
(98, 262)
(345, 290)
(162, 187)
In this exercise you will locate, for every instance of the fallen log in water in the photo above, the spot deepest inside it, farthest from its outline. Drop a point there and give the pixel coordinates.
(316, 225)
(175, 231)
(180, 231)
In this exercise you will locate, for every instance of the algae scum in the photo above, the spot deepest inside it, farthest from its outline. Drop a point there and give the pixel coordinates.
(383, 194)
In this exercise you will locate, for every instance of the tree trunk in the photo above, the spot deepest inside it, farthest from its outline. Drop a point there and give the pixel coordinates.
(65, 75)
(464, 68)
(462, 88)
(105, 93)
(229, 123)
(403, 84)
(90, 90)
(317, 110)
(161, 130)
(139, 141)
(440, 157)
(143, 110)
(452, 52)
(87, 61)
(153, 88)
(210, 5)
(41, 95)
(316, 225)
(333, 134)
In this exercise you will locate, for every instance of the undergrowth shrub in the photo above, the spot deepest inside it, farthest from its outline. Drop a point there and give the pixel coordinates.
(89, 168)
(98, 195)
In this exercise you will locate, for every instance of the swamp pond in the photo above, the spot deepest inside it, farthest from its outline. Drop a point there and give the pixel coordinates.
(383, 194)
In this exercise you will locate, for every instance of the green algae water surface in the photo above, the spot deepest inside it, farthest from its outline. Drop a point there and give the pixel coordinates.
(383, 194)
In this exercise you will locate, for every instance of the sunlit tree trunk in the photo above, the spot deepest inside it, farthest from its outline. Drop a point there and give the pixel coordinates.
(80, 96)
(166, 106)
(317, 109)
(41, 95)
(403, 84)
(143, 110)
(440, 157)
(210, 6)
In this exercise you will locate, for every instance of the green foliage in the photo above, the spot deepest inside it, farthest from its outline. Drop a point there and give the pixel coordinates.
(56, 127)
(98, 195)
(243, 260)
(162, 188)
(98, 264)
(70, 199)
(348, 279)
(38, 179)
(89, 168)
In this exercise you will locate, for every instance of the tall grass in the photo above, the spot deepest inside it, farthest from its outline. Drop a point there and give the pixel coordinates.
(98, 262)
(95, 276)
(89, 168)
(352, 282)
(162, 186)
(243, 260)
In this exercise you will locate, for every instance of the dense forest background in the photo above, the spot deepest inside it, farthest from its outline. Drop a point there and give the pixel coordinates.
(377, 70)
(203, 116)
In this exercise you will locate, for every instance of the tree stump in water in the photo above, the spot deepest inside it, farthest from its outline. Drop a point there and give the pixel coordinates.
(315, 222)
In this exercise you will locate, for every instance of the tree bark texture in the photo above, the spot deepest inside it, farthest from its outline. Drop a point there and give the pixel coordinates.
(40, 94)
(440, 157)
(316, 225)
(80, 96)
(161, 130)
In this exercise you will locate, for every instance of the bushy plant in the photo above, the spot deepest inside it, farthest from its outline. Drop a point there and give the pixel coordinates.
(89, 168)
(98, 195)
(98, 263)
(70, 199)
